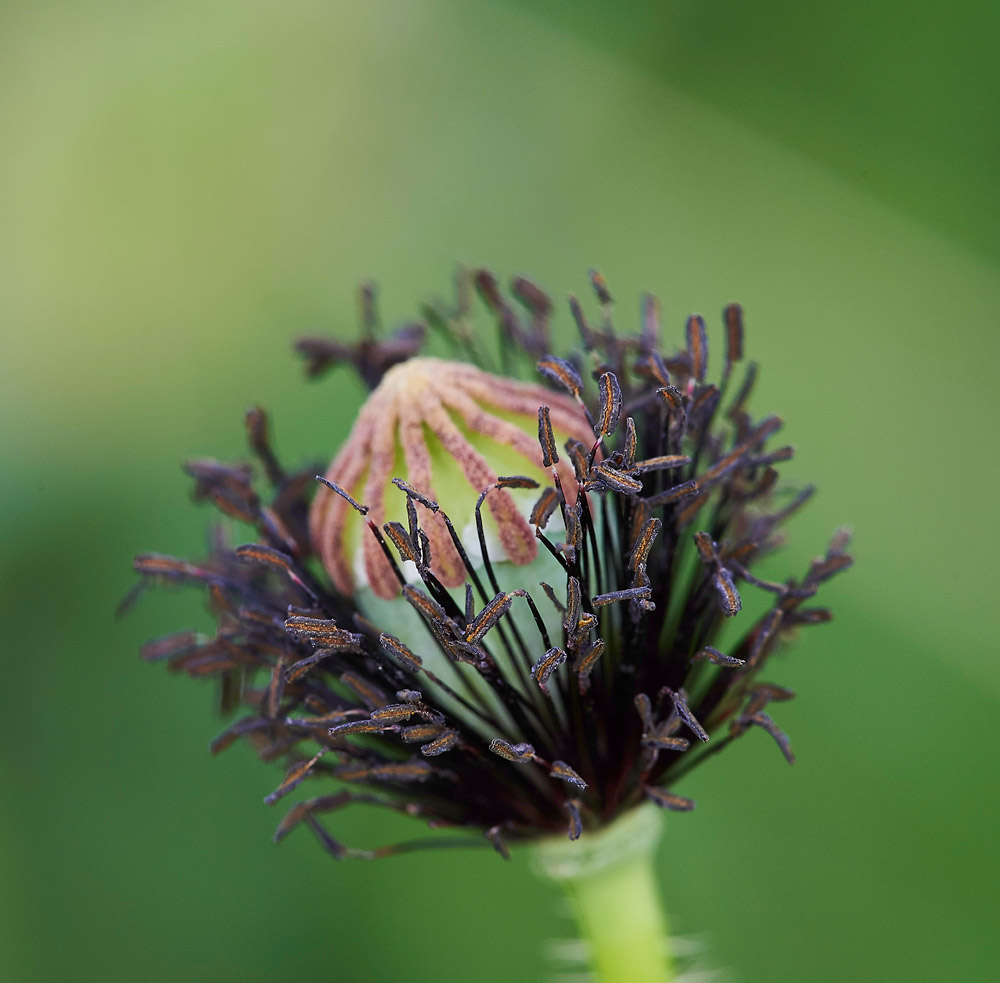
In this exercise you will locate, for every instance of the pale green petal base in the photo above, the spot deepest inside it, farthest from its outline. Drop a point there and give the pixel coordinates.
(609, 880)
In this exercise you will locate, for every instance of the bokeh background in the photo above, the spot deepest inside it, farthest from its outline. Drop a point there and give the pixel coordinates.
(185, 187)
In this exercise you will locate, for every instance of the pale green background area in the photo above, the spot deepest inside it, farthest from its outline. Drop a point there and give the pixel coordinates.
(186, 187)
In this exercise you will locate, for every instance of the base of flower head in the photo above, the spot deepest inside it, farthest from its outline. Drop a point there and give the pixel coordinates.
(634, 835)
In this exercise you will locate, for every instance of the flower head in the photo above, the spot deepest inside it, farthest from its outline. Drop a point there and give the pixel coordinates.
(366, 628)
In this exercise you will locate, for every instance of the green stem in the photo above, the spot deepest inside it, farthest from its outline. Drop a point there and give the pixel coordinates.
(609, 880)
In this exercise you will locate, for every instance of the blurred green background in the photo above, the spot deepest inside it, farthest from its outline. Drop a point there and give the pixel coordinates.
(185, 187)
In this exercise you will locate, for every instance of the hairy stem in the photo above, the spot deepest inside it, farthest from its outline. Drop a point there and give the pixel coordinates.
(609, 880)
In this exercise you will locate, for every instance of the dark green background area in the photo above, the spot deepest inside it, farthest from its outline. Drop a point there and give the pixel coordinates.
(186, 187)
(899, 99)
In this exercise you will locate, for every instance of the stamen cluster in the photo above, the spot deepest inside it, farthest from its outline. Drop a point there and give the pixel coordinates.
(529, 710)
